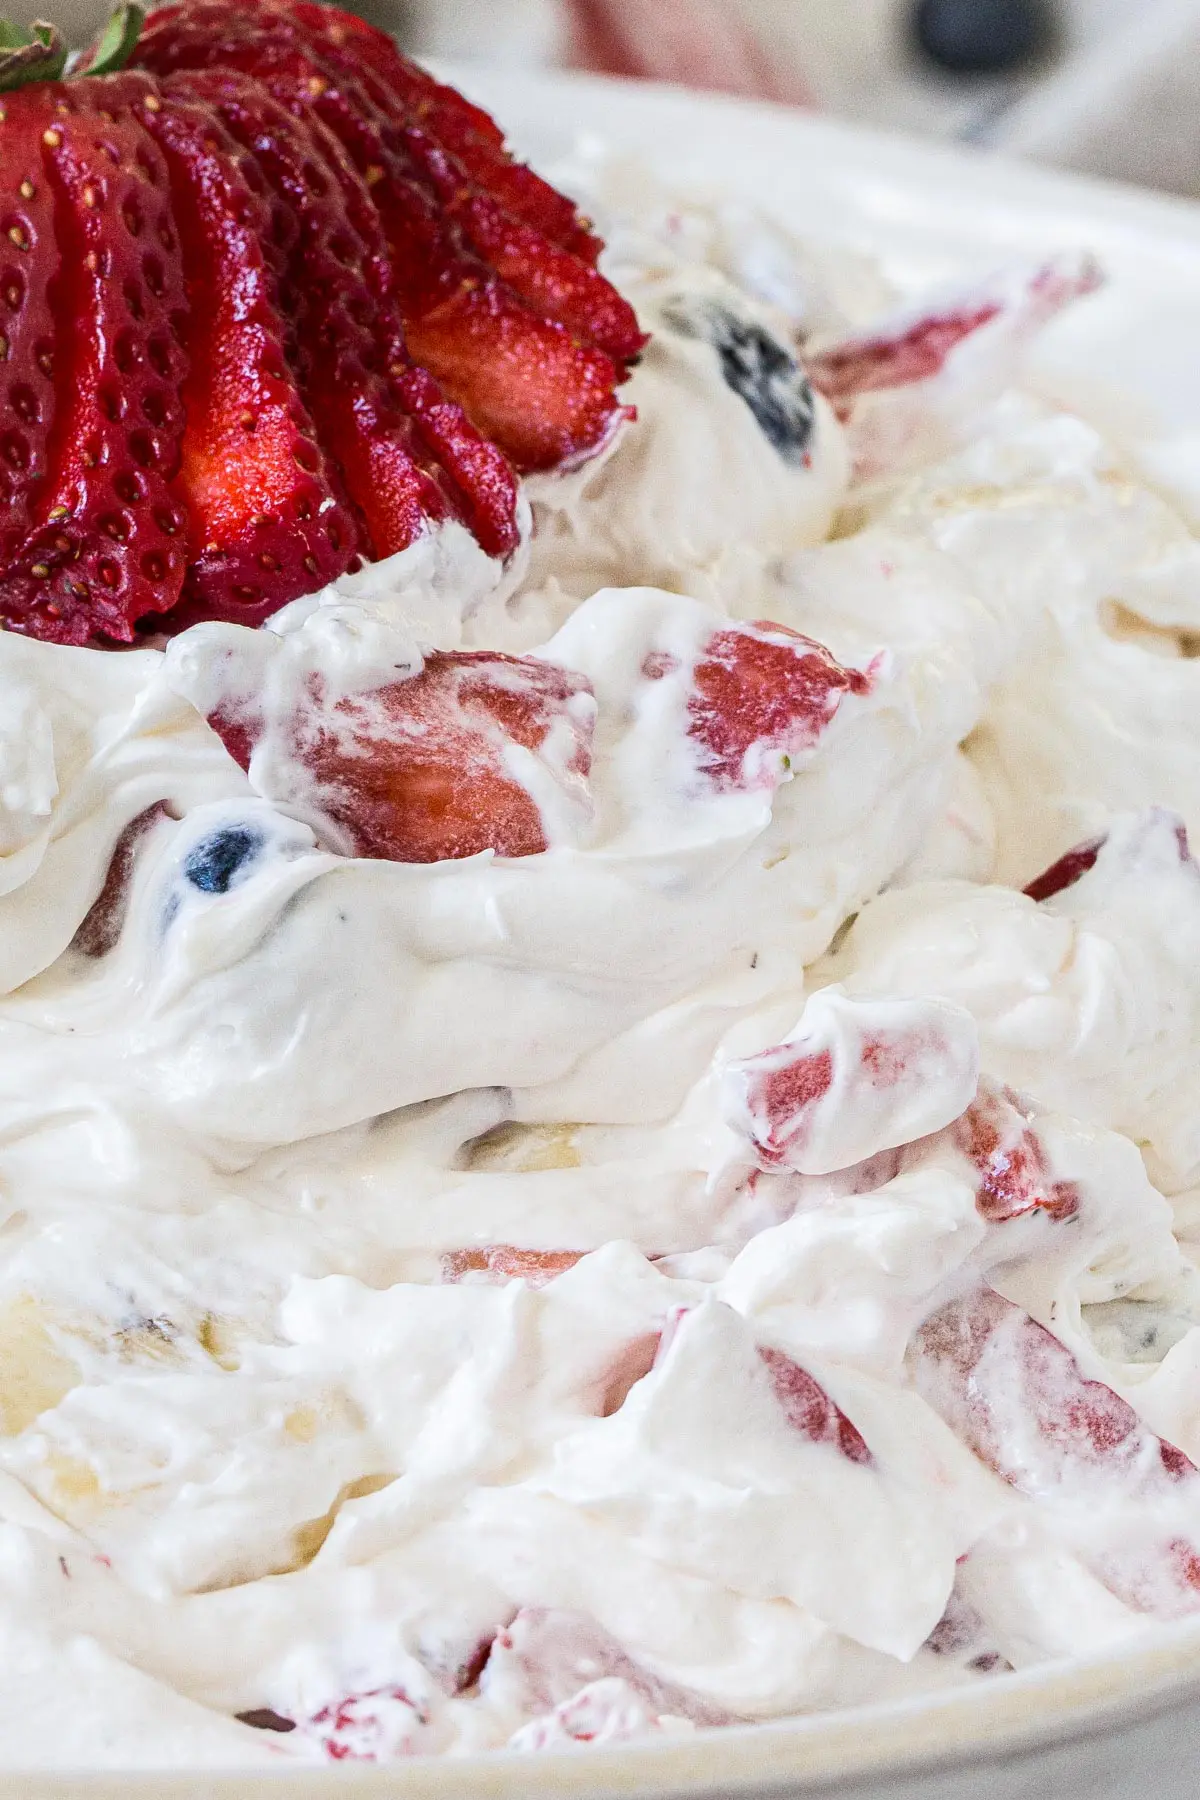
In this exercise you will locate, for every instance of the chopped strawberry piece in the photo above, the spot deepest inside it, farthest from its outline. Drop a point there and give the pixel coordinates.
(545, 1657)
(917, 348)
(992, 1372)
(374, 1727)
(764, 695)
(102, 541)
(501, 1263)
(809, 1409)
(962, 1636)
(268, 521)
(1069, 869)
(865, 364)
(1001, 1141)
(781, 1093)
(1018, 1398)
(428, 769)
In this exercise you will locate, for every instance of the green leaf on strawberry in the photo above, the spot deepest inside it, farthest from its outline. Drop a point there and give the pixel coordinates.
(117, 41)
(39, 54)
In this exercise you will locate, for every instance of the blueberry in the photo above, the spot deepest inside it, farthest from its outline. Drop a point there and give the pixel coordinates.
(981, 37)
(212, 863)
(759, 370)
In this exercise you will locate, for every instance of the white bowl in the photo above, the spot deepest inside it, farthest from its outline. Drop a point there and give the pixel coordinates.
(1121, 1727)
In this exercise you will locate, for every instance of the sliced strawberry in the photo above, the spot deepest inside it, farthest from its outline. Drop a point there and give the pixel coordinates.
(327, 296)
(484, 482)
(1018, 1398)
(268, 521)
(501, 1263)
(464, 129)
(1001, 1141)
(429, 769)
(29, 260)
(809, 1409)
(385, 422)
(545, 399)
(103, 539)
(763, 696)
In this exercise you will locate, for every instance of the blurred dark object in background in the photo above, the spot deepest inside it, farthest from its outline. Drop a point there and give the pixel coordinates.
(983, 37)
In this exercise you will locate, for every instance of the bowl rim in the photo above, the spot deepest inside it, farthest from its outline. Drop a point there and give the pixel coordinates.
(971, 1727)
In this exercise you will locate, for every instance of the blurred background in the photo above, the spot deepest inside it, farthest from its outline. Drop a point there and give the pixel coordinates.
(1111, 87)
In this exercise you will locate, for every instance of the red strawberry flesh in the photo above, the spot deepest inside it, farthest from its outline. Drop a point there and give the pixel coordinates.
(507, 1262)
(420, 772)
(28, 264)
(268, 522)
(1004, 1147)
(1069, 869)
(1018, 1398)
(764, 694)
(521, 377)
(809, 1410)
(104, 544)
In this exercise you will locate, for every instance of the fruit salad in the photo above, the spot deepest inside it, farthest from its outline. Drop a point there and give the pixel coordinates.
(598, 943)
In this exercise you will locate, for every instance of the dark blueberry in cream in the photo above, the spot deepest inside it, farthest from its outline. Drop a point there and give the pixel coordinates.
(214, 862)
(759, 369)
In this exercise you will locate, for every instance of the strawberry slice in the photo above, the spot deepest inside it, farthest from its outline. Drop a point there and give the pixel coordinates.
(763, 696)
(1018, 1398)
(268, 521)
(545, 399)
(552, 279)
(501, 1263)
(1000, 1139)
(29, 259)
(326, 294)
(102, 540)
(430, 769)
(384, 421)
(465, 130)
(808, 1408)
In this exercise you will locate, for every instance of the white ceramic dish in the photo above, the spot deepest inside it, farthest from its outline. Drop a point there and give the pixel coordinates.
(1124, 1728)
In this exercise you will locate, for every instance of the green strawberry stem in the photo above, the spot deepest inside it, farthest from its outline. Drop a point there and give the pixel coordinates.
(40, 54)
(117, 41)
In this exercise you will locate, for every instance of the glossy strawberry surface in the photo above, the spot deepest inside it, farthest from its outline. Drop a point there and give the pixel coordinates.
(273, 302)
(103, 532)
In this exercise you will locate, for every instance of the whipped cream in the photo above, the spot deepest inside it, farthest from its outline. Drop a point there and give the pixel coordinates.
(535, 1298)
